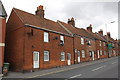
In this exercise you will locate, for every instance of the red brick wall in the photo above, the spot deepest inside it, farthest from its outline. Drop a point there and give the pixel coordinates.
(85, 47)
(2, 39)
(52, 46)
(20, 46)
(14, 42)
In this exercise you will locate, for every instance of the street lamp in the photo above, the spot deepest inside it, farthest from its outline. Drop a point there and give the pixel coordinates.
(107, 36)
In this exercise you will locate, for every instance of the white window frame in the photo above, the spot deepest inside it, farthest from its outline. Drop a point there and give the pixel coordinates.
(82, 41)
(62, 38)
(48, 54)
(46, 37)
(62, 56)
(101, 52)
(83, 54)
(100, 43)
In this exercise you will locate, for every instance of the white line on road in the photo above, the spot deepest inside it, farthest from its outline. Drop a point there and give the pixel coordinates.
(114, 62)
(99, 68)
(74, 76)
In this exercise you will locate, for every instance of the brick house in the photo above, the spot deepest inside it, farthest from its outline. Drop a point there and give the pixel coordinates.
(112, 45)
(34, 42)
(3, 16)
(119, 47)
(102, 49)
(84, 43)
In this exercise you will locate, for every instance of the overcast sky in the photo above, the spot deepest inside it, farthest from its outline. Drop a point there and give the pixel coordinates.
(95, 12)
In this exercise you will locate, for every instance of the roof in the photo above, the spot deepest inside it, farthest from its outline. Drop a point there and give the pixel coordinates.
(100, 37)
(78, 31)
(109, 39)
(31, 19)
(2, 10)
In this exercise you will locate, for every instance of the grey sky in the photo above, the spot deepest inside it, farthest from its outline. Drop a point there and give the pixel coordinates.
(95, 12)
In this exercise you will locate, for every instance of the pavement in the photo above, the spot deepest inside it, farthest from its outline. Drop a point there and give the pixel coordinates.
(1, 76)
(104, 68)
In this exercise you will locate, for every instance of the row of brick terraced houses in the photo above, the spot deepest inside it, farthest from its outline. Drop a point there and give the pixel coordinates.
(34, 42)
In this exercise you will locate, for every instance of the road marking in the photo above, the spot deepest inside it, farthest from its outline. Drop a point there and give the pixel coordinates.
(99, 68)
(114, 62)
(74, 76)
(69, 68)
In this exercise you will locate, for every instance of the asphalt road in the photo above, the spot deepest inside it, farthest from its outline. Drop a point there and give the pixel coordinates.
(108, 69)
(95, 70)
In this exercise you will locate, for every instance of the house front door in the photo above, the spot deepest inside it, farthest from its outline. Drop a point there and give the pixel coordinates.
(93, 56)
(78, 56)
(98, 54)
(35, 59)
(69, 58)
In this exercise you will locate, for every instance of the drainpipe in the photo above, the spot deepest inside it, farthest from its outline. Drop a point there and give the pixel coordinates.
(74, 51)
(23, 50)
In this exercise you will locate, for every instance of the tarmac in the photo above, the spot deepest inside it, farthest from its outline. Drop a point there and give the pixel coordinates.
(55, 70)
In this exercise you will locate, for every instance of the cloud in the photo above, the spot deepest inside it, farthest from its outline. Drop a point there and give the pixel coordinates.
(95, 12)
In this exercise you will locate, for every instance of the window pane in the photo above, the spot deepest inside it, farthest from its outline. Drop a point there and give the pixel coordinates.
(100, 52)
(83, 54)
(78, 53)
(62, 38)
(46, 37)
(46, 55)
(82, 41)
(35, 56)
(100, 43)
(62, 56)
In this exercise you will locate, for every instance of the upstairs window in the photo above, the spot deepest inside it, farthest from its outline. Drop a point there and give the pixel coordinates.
(89, 42)
(62, 56)
(62, 39)
(100, 43)
(82, 41)
(46, 37)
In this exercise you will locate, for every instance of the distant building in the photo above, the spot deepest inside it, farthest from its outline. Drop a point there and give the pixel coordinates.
(3, 16)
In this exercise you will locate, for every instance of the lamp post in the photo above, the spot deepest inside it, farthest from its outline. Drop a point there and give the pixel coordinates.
(107, 36)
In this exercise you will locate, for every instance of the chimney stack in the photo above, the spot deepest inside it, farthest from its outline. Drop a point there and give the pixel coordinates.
(89, 28)
(108, 34)
(72, 22)
(40, 11)
(101, 32)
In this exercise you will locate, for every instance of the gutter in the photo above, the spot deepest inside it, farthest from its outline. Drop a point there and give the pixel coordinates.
(28, 25)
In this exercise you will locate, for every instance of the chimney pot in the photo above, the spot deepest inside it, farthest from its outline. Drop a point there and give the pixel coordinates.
(108, 34)
(101, 32)
(72, 22)
(40, 11)
(89, 28)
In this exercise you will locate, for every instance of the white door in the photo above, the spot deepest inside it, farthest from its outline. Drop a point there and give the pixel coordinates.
(98, 54)
(35, 59)
(93, 56)
(78, 56)
(69, 58)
